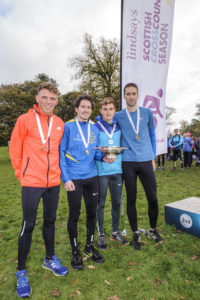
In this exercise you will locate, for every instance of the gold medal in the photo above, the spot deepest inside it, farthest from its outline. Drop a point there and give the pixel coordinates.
(86, 152)
(43, 148)
(137, 137)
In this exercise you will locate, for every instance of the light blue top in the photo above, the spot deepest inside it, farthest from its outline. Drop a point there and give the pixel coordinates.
(187, 144)
(74, 162)
(144, 148)
(176, 141)
(116, 166)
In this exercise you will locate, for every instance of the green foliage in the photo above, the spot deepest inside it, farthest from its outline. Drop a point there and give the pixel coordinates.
(44, 77)
(98, 68)
(15, 100)
(65, 107)
(170, 270)
(193, 127)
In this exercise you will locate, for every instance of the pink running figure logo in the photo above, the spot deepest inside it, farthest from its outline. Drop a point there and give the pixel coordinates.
(154, 104)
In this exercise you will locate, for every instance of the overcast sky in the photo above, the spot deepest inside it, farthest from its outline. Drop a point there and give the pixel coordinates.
(38, 36)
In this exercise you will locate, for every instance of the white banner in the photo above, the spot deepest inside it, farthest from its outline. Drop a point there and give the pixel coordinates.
(146, 35)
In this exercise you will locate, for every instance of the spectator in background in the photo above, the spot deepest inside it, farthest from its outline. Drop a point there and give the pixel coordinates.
(175, 143)
(198, 151)
(161, 156)
(168, 149)
(187, 149)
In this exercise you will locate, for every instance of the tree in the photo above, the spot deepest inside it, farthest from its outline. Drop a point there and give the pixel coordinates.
(193, 127)
(65, 107)
(184, 126)
(15, 99)
(198, 110)
(44, 77)
(169, 113)
(98, 68)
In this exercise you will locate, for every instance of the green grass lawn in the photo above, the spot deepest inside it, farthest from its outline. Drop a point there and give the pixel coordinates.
(170, 270)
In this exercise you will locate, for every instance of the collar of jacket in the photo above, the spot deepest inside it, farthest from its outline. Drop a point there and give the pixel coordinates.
(106, 124)
(36, 107)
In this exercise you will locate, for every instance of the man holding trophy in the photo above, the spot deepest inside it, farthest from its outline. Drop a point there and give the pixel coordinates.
(138, 135)
(80, 176)
(110, 175)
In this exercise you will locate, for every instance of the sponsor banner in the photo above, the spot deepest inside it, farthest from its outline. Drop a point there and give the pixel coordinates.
(146, 35)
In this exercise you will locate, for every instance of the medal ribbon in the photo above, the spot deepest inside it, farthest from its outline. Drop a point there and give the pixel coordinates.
(110, 135)
(40, 129)
(81, 133)
(136, 130)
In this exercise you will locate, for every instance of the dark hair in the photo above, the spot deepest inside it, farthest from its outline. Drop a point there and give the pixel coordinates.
(175, 129)
(106, 101)
(130, 84)
(50, 86)
(83, 97)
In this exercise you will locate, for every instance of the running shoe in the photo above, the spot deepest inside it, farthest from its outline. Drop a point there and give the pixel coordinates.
(90, 251)
(102, 242)
(116, 236)
(55, 266)
(76, 262)
(23, 286)
(154, 234)
(136, 241)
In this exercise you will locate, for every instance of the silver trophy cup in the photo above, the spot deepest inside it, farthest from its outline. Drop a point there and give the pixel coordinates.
(111, 151)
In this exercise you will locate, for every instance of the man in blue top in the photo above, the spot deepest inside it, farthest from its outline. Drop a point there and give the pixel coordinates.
(109, 174)
(138, 135)
(175, 143)
(80, 176)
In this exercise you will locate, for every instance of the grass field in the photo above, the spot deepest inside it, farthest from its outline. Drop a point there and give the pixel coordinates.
(170, 270)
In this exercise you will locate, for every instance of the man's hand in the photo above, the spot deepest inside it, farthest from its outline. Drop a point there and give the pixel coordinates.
(154, 165)
(109, 160)
(69, 186)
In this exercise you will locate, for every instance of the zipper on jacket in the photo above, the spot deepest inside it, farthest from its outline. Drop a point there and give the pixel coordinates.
(48, 162)
(26, 167)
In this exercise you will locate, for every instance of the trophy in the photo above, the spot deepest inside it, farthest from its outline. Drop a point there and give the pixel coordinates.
(111, 151)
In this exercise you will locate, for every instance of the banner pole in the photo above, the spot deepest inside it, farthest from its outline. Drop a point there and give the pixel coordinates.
(122, 8)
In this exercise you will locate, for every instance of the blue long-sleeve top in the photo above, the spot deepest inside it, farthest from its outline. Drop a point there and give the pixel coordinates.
(144, 148)
(176, 141)
(187, 144)
(74, 162)
(116, 166)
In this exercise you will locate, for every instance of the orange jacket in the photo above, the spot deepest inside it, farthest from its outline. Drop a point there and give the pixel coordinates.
(35, 167)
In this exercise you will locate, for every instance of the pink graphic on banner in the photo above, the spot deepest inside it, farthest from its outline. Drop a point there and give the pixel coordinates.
(154, 104)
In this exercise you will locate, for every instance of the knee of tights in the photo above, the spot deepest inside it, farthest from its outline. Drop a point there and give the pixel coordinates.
(27, 227)
(49, 221)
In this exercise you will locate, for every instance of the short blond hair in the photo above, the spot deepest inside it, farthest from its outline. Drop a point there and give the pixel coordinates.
(106, 101)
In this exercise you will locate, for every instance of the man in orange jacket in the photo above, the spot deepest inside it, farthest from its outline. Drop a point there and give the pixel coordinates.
(34, 153)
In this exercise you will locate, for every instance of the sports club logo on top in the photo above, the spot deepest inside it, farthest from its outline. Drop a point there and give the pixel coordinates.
(153, 103)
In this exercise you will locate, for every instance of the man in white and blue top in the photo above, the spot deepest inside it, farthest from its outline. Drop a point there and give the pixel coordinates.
(176, 143)
(110, 175)
(138, 135)
(80, 176)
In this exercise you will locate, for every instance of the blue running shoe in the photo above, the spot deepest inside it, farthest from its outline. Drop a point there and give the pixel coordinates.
(55, 266)
(23, 287)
